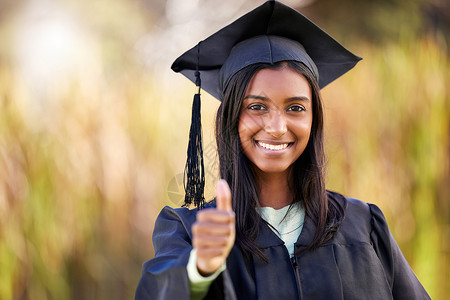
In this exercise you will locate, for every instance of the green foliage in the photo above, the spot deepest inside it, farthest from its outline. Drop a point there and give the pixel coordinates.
(388, 143)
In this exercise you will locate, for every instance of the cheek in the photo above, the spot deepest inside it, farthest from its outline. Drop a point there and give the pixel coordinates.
(248, 126)
(302, 129)
(306, 127)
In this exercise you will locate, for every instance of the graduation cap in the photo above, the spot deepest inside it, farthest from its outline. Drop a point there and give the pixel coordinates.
(270, 33)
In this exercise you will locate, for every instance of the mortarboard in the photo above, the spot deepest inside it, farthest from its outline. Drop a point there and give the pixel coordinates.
(270, 33)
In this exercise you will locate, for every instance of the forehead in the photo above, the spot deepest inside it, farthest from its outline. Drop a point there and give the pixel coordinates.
(283, 80)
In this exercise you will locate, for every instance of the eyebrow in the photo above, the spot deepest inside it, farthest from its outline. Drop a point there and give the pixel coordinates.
(290, 99)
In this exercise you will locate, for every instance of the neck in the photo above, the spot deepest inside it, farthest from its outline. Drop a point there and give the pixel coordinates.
(274, 190)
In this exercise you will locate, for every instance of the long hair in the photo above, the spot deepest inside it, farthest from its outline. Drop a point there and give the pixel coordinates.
(308, 171)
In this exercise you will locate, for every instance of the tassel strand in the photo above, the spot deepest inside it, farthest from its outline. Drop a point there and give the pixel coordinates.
(194, 172)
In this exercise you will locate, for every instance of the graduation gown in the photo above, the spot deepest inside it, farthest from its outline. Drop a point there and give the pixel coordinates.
(362, 261)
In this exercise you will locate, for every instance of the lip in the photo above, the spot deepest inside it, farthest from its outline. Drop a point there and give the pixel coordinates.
(273, 148)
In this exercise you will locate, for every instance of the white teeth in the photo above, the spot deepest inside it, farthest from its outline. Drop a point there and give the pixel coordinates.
(273, 147)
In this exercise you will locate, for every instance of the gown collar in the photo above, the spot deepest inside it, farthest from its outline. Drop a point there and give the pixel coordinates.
(267, 238)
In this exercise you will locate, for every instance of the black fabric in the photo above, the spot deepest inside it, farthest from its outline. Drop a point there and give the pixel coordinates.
(270, 19)
(267, 49)
(362, 261)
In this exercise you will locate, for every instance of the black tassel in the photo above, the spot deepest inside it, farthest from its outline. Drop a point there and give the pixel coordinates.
(194, 172)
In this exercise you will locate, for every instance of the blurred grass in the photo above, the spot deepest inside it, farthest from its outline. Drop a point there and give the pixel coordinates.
(85, 171)
(389, 143)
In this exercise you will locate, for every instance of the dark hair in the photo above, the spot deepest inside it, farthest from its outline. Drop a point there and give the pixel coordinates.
(308, 171)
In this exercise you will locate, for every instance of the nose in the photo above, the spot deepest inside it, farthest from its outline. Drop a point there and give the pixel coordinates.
(275, 125)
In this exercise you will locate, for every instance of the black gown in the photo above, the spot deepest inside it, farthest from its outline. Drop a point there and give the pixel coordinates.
(362, 261)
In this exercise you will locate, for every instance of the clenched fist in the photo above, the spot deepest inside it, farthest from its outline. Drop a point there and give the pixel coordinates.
(214, 231)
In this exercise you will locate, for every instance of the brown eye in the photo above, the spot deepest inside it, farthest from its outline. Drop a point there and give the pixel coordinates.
(296, 108)
(257, 107)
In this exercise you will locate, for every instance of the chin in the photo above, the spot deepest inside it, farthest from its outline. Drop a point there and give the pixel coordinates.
(271, 169)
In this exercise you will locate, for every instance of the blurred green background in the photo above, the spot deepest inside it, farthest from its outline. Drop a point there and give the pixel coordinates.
(94, 127)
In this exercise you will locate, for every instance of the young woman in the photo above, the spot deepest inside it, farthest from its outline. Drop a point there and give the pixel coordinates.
(273, 231)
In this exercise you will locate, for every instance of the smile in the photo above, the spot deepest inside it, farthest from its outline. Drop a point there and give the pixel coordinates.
(272, 147)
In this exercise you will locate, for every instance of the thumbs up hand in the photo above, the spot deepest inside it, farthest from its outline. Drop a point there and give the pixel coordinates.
(214, 231)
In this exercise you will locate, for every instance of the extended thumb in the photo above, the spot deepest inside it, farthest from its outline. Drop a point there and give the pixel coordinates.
(223, 195)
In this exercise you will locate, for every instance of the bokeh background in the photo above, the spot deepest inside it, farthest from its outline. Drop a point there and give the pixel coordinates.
(94, 127)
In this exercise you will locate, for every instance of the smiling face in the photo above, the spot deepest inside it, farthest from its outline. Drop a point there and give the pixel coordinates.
(275, 119)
